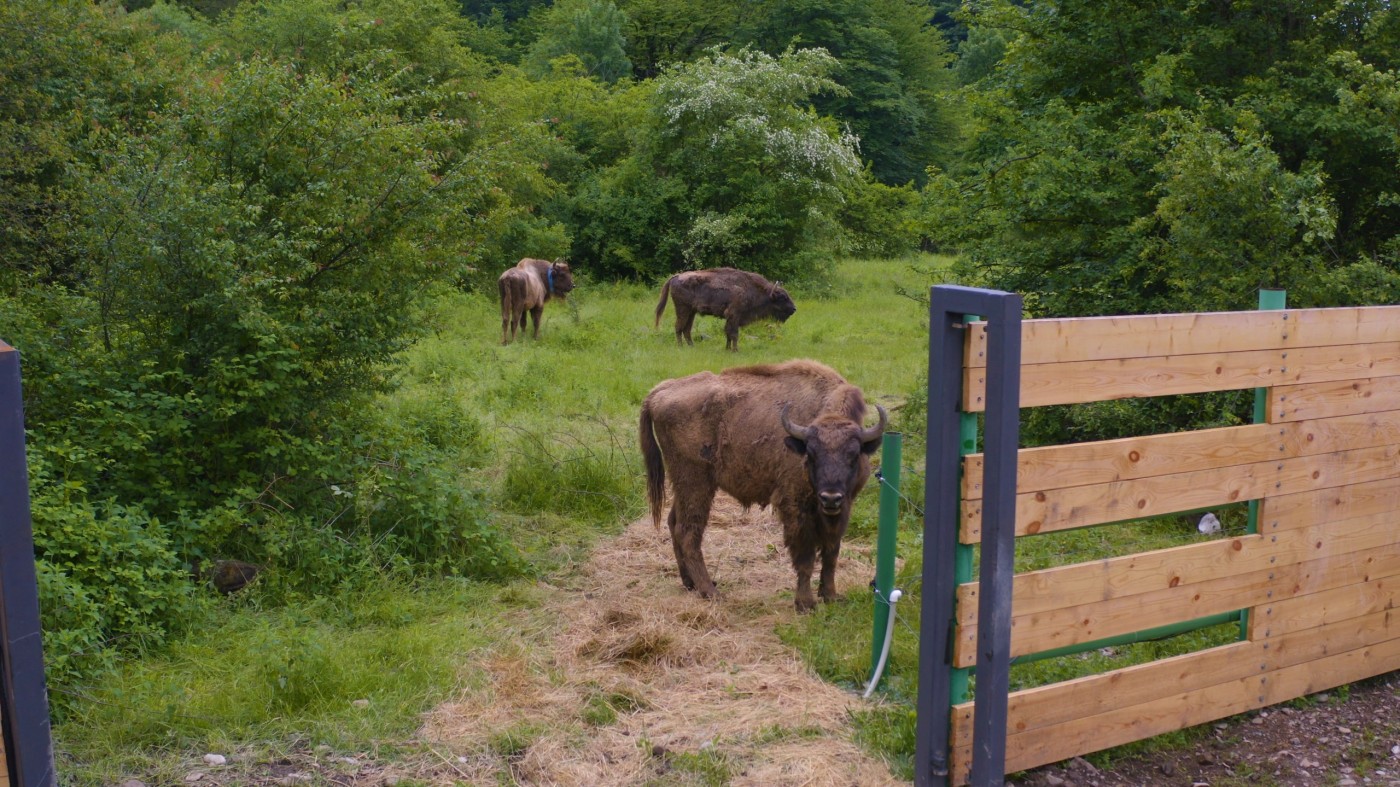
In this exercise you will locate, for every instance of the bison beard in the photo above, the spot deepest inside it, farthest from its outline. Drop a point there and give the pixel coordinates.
(738, 296)
(788, 435)
(526, 288)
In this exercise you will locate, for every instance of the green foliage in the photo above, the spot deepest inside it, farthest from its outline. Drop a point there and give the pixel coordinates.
(894, 67)
(1172, 158)
(589, 30)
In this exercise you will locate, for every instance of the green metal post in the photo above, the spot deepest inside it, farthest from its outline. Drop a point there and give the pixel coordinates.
(1269, 300)
(885, 543)
(962, 557)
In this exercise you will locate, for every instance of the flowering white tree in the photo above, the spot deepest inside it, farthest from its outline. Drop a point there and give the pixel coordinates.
(733, 168)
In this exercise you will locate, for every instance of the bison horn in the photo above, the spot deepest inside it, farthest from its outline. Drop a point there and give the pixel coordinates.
(801, 433)
(866, 435)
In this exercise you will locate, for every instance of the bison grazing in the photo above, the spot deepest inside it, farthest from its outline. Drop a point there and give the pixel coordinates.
(738, 296)
(527, 288)
(788, 435)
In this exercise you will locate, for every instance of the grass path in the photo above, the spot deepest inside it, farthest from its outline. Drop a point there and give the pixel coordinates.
(645, 683)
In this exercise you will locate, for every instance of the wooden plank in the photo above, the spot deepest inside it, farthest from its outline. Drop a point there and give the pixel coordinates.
(1080, 464)
(1124, 725)
(1117, 501)
(1091, 695)
(1085, 622)
(1160, 375)
(1101, 338)
(1100, 581)
(1334, 504)
(1277, 621)
(1325, 400)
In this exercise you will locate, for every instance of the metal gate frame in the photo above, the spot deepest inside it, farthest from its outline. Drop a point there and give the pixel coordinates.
(24, 704)
(948, 309)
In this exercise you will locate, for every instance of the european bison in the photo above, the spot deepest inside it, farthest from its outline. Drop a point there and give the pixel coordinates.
(788, 435)
(527, 288)
(738, 296)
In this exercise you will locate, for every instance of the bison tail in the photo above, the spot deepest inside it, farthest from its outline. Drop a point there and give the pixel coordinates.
(656, 468)
(661, 306)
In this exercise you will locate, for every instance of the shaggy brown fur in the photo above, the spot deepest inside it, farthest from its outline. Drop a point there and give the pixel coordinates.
(738, 296)
(787, 435)
(526, 288)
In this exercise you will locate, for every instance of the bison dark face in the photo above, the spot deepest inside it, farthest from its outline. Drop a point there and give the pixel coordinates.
(781, 304)
(561, 279)
(832, 449)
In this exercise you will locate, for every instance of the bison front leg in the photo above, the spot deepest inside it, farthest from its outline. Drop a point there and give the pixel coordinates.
(731, 335)
(802, 549)
(831, 550)
(689, 516)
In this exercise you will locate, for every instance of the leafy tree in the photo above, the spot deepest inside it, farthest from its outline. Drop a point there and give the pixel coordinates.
(667, 32)
(732, 166)
(589, 30)
(1136, 157)
(894, 66)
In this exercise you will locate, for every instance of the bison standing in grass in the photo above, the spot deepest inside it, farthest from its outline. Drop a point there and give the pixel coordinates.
(738, 296)
(789, 435)
(526, 288)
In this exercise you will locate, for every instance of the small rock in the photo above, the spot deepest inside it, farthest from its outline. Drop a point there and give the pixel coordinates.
(215, 759)
(1083, 764)
(1395, 750)
(1205, 758)
(193, 776)
(133, 783)
(1168, 769)
(707, 745)
(1344, 730)
(1051, 780)
(390, 781)
(323, 749)
(294, 778)
(1257, 720)
(1347, 781)
(361, 703)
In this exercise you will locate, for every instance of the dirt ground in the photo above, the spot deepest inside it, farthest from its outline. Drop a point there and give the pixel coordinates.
(646, 684)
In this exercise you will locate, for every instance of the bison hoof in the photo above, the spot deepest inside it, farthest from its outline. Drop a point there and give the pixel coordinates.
(806, 604)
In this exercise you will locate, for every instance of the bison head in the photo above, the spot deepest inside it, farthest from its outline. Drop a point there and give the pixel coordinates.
(780, 303)
(561, 280)
(832, 448)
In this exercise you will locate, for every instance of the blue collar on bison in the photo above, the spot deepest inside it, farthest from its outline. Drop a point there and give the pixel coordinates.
(551, 280)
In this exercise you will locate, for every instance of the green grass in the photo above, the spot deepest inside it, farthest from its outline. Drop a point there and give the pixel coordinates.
(292, 676)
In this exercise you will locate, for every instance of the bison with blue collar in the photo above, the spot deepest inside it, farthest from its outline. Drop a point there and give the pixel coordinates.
(526, 288)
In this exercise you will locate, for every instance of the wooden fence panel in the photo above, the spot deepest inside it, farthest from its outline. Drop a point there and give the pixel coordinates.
(1320, 579)
(1063, 509)
(1136, 336)
(1177, 710)
(1082, 464)
(1093, 620)
(1095, 381)
(1046, 706)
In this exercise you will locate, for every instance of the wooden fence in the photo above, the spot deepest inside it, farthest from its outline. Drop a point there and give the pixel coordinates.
(1319, 579)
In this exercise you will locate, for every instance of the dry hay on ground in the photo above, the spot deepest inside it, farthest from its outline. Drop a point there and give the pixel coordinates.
(647, 683)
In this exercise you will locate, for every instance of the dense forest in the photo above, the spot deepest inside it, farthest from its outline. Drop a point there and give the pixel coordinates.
(219, 221)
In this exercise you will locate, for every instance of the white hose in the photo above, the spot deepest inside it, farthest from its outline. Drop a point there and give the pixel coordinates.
(885, 651)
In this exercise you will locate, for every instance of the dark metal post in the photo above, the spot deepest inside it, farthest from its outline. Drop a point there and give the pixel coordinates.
(1002, 444)
(947, 336)
(23, 694)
